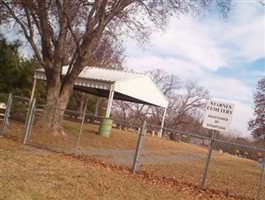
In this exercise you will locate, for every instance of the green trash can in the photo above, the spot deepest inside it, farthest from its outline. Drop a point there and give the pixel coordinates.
(105, 127)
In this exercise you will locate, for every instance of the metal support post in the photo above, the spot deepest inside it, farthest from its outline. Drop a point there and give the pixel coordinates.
(81, 128)
(261, 181)
(138, 149)
(111, 95)
(29, 121)
(33, 89)
(97, 106)
(162, 123)
(7, 114)
(208, 159)
(32, 120)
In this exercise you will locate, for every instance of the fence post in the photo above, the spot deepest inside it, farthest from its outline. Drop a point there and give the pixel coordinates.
(138, 148)
(208, 159)
(81, 129)
(7, 114)
(32, 120)
(261, 179)
(29, 120)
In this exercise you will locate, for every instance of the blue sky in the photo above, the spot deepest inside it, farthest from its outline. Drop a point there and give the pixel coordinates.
(227, 57)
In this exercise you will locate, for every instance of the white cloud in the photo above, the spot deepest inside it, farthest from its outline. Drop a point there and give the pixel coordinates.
(190, 41)
(247, 40)
(195, 50)
(242, 115)
(208, 45)
(173, 65)
(227, 88)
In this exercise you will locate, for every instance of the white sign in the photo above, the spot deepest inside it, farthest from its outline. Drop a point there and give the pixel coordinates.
(218, 115)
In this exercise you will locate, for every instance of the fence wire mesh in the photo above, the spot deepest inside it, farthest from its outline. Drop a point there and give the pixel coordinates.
(178, 159)
(175, 156)
(17, 117)
(81, 136)
(234, 168)
(3, 104)
(61, 141)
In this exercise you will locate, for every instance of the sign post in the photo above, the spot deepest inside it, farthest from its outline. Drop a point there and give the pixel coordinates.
(218, 116)
(208, 159)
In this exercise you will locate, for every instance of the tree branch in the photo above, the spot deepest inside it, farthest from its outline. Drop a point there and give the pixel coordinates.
(28, 36)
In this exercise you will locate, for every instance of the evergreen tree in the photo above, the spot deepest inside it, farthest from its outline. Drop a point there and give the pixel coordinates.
(9, 65)
(16, 75)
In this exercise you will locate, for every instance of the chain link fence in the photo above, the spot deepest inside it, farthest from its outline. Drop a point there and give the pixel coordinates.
(206, 162)
(16, 110)
(182, 158)
(189, 158)
(81, 136)
(238, 173)
(3, 112)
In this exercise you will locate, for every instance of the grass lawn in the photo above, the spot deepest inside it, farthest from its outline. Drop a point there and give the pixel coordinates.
(29, 173)
(33, 173)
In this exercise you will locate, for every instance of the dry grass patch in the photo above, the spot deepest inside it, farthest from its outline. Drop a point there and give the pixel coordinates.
(29, 173)
(227, 174)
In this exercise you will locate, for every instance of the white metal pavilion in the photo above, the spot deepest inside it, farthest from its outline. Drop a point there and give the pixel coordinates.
(115, 84)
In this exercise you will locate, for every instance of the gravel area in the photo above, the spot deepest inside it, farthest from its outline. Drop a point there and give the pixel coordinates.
(125, 157)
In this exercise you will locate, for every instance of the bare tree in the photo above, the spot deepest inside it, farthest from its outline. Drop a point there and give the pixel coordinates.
(168, 84)
(121, 110)
(50, 26)
(185, 99)
(133, 112)
(138, 112)
(192, 98)
(107, 55)
(257, 125)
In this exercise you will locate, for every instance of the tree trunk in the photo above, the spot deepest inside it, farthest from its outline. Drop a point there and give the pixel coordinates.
(56, 103)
